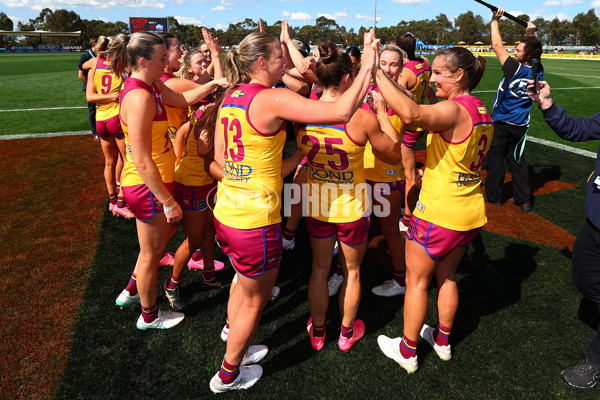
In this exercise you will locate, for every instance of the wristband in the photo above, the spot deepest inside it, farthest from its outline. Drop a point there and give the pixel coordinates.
(167, 208)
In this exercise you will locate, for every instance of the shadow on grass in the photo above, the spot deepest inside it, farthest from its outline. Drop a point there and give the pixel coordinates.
(488, 286)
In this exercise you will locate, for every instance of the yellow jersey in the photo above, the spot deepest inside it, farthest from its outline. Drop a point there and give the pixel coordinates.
(249, 196)
(163, 154)
(190, 170)
(107, 83)
(337, 190)
(423, 75)
(451, 191)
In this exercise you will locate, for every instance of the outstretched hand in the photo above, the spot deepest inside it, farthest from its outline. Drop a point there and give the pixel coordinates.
(285, 32)
(371, 50)
(211, 42)
(261, 27)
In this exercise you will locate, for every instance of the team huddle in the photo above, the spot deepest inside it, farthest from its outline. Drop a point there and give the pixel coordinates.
(203, 142)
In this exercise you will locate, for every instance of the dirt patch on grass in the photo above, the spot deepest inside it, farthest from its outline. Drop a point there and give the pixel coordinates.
(50, 211)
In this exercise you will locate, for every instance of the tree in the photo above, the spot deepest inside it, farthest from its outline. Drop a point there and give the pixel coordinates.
(470, 27)
(443, 29)
(586, 28)
(6, 24)
(62, 21)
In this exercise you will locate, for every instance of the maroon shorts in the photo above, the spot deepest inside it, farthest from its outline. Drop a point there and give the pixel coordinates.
(141, 200)
(194, 198)
(438, 241)
(251, 251)
(109, 128)
(385, 188)
(349, 233)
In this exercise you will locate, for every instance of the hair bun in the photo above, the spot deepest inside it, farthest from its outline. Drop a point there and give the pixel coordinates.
(328, 53)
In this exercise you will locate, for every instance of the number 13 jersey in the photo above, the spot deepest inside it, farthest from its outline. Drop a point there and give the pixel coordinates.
(451, 194)
(248, 197)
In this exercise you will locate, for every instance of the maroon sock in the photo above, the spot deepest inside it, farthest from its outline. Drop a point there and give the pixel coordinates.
(288, 234)
(172, 283)
(132, 285)
(441, 334)
(197, 256)
(150, 313)
(400, 278)
(347, 331)
(208, 274)
(339, 270)
(408, 348)
(112, 198)
(121, 201)
(318, 330)
(229, 372)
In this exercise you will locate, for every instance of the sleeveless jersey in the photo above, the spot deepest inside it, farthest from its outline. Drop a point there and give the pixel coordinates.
(512, 103)
(163, 154)
(423, 75)
(377, 170)
(248, 197)
(336, 178)
(176, 116)
(451, 194)
(107, 83)
(190, 171)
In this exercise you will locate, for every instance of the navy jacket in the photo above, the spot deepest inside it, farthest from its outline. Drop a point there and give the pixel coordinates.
(579, 130)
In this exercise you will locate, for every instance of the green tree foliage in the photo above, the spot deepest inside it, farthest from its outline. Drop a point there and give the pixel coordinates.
(6, 24)
(586, 28)
(470, 28)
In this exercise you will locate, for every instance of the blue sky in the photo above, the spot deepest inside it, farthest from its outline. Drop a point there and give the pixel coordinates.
(349, 13)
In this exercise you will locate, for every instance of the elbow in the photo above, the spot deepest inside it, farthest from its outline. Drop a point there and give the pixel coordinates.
(342, 116)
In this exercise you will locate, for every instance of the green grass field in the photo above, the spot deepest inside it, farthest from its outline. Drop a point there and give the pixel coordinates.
(520, 321)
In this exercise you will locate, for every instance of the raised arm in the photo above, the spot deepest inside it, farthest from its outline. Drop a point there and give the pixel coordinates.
(384, 138)
(182, 92)
(497, 45)
(439, 117)
(284, 104)
(215, 52)
(294, 54)
(564, 125)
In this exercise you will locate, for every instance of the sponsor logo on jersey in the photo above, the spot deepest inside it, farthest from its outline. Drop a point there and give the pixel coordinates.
(482, 110)
(391, 172)
(420, 206)
(237, 172)
(468, 179)
(326, 176)
(238, 93)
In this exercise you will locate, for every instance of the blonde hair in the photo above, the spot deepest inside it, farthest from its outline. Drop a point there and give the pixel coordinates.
(183, 72)
(125, 51)
(240, 64)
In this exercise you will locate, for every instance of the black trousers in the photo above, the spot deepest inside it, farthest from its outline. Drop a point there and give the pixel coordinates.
(507, 139)
(585, 274)
(92, 117)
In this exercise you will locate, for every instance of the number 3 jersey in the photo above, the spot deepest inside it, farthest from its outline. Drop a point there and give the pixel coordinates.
(336, 179)
(107, 83)
(248, 197)
(451, 194)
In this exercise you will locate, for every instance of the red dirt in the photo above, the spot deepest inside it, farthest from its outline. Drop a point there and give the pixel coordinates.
(49, 222)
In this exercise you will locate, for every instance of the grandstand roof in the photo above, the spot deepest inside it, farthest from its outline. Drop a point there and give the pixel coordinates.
(39, 33)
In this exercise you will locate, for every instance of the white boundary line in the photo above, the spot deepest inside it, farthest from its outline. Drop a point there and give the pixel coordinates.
(43, 135)
(42, 109)
(561, 146)
(553, 89)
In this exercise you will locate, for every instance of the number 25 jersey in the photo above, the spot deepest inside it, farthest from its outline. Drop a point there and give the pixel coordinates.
(451, 193)
(248, 197)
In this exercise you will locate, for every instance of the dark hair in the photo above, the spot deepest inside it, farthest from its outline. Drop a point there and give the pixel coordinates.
(125, 51)
(353, 51)
(239, 64)
(208, 120)
(408, 43)
(459, 57)
(167, 38)
(533, 48)
(332, 65)
(93, 40)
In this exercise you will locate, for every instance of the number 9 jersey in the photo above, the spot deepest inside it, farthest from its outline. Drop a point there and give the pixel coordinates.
(248, 197)
(106, 83)
(451, 192)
